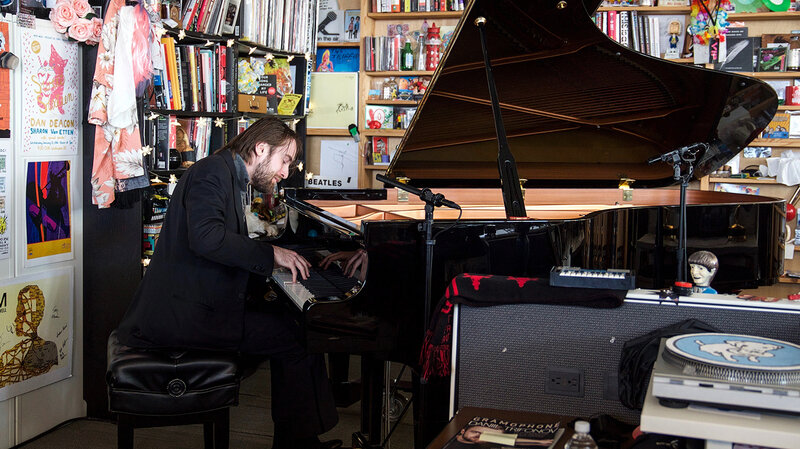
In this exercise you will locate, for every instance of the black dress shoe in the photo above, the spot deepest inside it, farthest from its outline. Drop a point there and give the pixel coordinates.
(331, 444)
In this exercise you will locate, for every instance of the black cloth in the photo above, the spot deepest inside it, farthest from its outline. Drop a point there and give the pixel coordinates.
(195, 295)
(639, 355)
(478, 290)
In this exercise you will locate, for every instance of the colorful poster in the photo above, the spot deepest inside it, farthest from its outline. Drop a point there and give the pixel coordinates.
(50, 91)
(5, 83)
(5, 221)
(48, 215)
(332, 59)
(35, 331)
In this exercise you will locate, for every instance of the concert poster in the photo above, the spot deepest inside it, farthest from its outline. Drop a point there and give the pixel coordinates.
(36, 337)
(48, 212)
(50, 91)
(5, 84)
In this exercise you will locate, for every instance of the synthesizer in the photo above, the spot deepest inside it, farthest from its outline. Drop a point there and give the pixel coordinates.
(591, 278)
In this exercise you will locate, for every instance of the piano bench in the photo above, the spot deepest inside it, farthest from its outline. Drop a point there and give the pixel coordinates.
(154, 388)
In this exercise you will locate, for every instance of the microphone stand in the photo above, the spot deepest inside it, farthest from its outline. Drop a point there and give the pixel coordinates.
(684, 156)
(432, 200)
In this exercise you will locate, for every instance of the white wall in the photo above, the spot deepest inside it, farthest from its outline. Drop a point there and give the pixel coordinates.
(30, 414)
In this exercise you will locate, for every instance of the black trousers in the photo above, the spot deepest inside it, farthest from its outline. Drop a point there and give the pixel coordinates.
(302, 401)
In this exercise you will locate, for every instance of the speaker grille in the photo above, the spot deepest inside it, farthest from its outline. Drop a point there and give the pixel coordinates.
(504, 352)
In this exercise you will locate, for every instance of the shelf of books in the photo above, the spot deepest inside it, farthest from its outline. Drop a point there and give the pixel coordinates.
(389, 95)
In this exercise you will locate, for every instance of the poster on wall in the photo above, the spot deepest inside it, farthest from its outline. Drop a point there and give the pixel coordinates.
(48, 212)
(5, 232)
(5, 83)
(35, 331)
(334, 98)
(50, 97)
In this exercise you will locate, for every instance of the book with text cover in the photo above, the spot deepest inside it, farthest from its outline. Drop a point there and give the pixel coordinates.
(492, 432)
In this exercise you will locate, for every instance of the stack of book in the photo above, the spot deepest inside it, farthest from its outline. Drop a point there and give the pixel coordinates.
(417, 5)
(194, 78)
(210, 16)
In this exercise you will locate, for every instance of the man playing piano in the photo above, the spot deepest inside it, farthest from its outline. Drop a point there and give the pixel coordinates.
(199, 290)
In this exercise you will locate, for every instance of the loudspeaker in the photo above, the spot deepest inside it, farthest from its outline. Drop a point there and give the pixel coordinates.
(565, 359)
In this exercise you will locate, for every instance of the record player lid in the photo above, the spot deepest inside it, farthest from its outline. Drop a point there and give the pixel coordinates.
(579, 109)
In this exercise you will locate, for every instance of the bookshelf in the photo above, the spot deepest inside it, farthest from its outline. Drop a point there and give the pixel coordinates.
(375, 24)
(760, 23)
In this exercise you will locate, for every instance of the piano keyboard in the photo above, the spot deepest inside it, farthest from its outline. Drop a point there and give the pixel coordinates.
(588, 278)
(321, 285)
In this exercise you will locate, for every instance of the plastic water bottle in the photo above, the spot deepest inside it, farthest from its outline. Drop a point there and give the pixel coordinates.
(581, 439)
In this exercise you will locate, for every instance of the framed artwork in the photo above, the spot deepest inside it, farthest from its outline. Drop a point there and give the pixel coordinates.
(334, 100)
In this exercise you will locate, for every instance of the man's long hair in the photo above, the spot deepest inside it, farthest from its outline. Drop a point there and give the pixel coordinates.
(269, 130)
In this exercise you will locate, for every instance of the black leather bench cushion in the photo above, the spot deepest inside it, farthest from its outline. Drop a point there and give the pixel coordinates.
(168, 382)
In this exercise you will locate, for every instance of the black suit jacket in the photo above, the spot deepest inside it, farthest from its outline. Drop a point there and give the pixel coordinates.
(194, 290)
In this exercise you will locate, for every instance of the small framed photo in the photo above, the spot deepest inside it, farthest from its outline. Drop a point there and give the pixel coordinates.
(352, 25)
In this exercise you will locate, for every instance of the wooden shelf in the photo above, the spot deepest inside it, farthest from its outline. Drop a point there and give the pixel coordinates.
(384, 132)
(338, 44)
(376, 167)
(327, 132)
(783, 143)
(787, 280)
(416, 15)
(649, 9)
(394, 102)
(743, 180)
(771, 75)
(784, 107)
(763, 15)
(400, 73)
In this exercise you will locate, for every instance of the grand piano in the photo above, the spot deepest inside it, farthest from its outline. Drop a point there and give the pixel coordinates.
(538, 184)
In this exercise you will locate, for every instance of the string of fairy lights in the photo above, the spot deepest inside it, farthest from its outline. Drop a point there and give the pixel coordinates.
(219, 122)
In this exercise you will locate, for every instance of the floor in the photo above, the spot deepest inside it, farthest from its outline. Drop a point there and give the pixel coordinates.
(251, 427)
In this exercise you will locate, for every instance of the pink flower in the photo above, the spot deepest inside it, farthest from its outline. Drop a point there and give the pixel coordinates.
(81, 30)
(98, 30)
(81, 8)
(62, 16)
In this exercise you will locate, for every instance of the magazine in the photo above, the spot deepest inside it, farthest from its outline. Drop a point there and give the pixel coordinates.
(492, 433)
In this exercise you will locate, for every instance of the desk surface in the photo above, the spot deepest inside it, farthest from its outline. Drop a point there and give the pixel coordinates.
(771, 430)
(464, 415)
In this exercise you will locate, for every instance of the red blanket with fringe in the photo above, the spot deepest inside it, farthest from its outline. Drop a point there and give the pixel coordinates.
(488, 290)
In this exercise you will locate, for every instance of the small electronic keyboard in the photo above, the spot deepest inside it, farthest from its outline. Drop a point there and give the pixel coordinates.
(588, 278)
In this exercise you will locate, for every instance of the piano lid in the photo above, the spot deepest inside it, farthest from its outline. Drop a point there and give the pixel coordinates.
(579, 109)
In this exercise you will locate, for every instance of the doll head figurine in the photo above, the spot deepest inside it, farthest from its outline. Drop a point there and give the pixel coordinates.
(703, 267)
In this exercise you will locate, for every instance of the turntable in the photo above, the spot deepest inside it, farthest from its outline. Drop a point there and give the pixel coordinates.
(728, 370)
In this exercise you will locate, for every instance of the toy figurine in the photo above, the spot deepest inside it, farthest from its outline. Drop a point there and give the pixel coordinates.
(674, 28)
(703, 266)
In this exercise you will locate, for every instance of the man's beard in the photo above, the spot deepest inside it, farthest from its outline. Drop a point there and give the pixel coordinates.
(262, 179)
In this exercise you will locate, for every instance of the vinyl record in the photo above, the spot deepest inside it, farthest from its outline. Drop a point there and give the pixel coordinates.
(777, 5)
(747, 5)
(739, 358)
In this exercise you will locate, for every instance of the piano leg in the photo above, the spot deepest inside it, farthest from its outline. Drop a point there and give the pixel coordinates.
(372, 372)
(345, 391)
(431, 409)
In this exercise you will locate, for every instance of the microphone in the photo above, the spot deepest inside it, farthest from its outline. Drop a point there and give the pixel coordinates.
(426, 195)
(668, 157)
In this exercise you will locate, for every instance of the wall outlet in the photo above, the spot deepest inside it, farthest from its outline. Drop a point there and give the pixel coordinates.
(564, 381)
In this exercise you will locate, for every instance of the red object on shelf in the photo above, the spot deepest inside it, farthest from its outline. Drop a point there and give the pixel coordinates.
(791, 212)
(433, 47)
